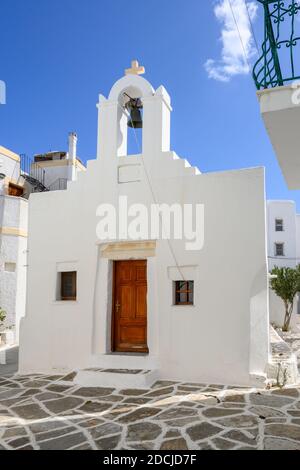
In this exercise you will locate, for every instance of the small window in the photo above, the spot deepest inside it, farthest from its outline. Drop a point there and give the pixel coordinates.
(278, 225)
(15, 190)
(184, 292)
(279, 249)
(68, 285)
(10, 267)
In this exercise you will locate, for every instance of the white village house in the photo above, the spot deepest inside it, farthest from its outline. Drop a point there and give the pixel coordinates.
(148, 304)
(283, 231)
(13, 244)
(19, 177)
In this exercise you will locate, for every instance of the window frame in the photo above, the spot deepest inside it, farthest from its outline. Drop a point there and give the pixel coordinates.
(279, 244)
(279, 222)
(72, 297)
(187, 291)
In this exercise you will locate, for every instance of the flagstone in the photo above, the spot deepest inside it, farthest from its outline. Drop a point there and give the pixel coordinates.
(14, 432)
(245, 448)
(58, 388)
(275, 420)
(181, 422)
(283, 430)
(240, 421)
(47, 425)
(172, 433)
(108, 443)
(223, 444)
(20, 442)
(238, 397)
(63, 404)
(92, 392)
(45, 436)
(17, 401)
(143, 431)
(240, 436)
(287, 392)
(32, 411)
(271, 400)
(45, 396)
(94, 407)
(202, 430)
(139, 414)
(63, 442)
(174, 444)
(177, 412)
(89, 423)
(142, 446)
(85, 446)
(265, 411)
(137, 400)
(161, 391)
(69, 377)
(110, 398)
(133, 392)
(273, 443)
(163, 383)
(296, 421)
(217, 412)
(204, 445)
(104, 430)
(36, 383)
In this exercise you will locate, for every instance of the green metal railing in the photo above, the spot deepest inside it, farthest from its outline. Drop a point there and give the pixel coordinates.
(279, 63)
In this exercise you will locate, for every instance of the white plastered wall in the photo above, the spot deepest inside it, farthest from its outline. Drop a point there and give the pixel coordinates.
(224, 336)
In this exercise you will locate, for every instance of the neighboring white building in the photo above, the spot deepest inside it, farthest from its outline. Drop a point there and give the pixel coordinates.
(198, 315)
(46, 173)
(283, 229)
(59, 167)
(13, 240)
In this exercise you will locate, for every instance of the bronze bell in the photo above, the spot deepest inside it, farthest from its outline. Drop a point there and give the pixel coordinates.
(134, 106)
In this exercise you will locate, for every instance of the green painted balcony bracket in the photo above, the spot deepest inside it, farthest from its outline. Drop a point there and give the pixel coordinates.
(279, 63)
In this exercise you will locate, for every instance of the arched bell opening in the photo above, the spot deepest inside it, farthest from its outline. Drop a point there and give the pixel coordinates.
(131, 121)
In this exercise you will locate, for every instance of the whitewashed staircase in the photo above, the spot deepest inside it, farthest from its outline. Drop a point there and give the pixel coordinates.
(283, 368)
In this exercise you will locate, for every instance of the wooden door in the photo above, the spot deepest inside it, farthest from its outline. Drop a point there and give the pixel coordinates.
(129, 332)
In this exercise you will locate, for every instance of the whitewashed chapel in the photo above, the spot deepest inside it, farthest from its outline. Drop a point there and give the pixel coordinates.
(149, 307)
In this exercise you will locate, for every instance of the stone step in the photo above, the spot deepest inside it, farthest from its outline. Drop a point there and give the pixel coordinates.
(116, 378)
(124, 361)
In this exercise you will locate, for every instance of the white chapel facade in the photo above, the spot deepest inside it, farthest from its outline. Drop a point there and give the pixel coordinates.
(148, 303)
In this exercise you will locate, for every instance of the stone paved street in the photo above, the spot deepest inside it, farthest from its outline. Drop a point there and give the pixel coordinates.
(50, 412)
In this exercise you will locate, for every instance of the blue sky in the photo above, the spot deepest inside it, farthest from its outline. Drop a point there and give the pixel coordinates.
(56, 56)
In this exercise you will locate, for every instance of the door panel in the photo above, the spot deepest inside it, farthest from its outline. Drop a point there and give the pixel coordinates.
(126, 301)
(129, 331)
(141, 304)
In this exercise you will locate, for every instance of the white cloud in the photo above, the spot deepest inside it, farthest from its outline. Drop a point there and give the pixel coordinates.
(233, 60)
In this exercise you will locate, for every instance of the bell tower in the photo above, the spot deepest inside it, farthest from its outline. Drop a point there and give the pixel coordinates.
(132, 102)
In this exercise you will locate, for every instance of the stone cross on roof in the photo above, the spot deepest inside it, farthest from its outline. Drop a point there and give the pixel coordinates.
(135, 69)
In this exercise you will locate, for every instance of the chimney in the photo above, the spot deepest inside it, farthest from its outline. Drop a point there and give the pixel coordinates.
(72, 146)
(72, 154)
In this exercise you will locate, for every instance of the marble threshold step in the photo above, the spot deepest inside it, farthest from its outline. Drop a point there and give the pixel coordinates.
(116, 378)
(117, 360)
